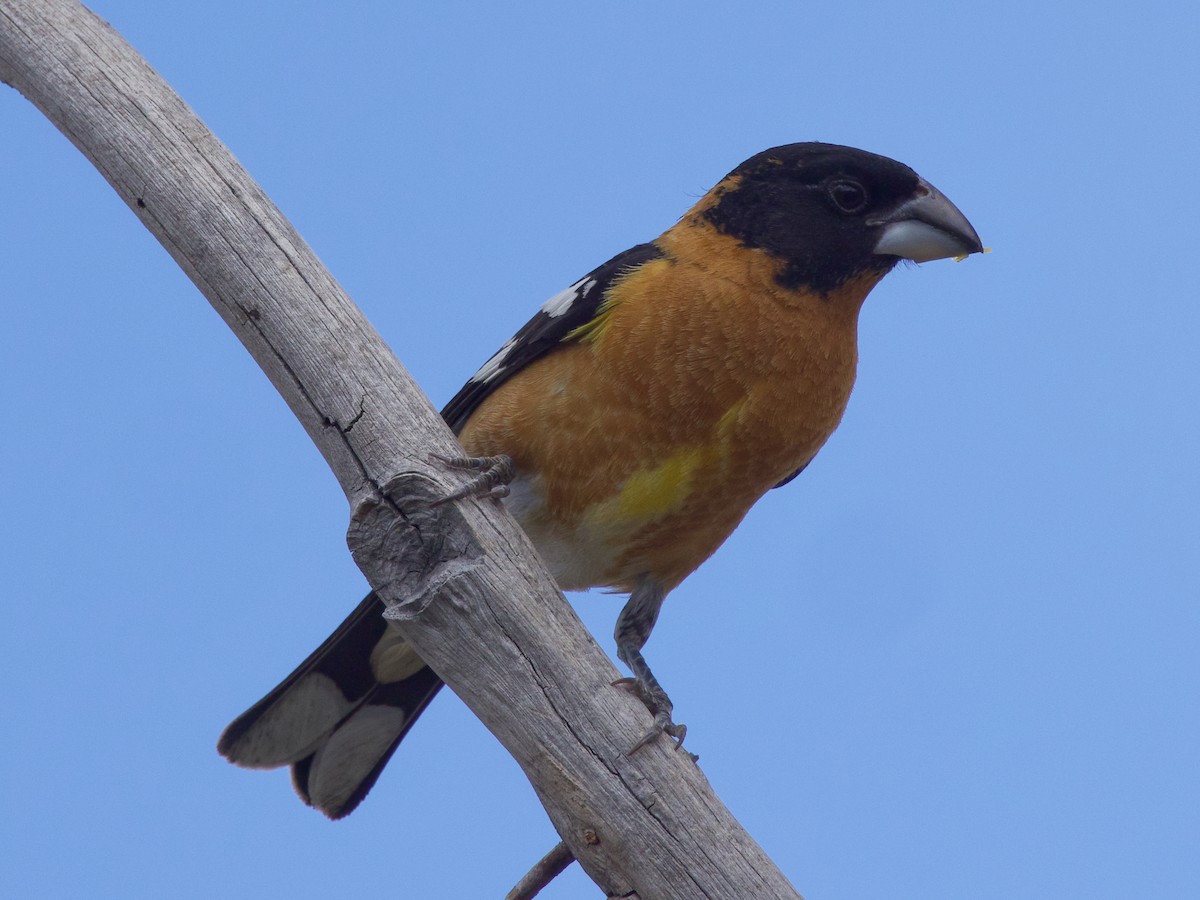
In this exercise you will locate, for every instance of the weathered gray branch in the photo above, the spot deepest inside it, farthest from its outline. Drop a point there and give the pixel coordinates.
(471, 594)
(544, 871)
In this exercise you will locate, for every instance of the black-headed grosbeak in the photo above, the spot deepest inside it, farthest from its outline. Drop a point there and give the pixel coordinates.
(637, 417)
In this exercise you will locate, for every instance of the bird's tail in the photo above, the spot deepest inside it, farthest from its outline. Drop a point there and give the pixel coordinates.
(338, 718)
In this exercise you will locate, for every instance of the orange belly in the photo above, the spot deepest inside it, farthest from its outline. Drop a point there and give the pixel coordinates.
(640, 447)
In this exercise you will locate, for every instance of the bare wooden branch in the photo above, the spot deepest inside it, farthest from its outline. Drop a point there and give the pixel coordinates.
(462, 579)
(544, 871)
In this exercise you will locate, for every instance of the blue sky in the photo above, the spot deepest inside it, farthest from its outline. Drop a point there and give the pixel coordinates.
(955, 659)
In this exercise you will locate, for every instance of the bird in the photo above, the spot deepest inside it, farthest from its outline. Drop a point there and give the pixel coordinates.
(632, 423)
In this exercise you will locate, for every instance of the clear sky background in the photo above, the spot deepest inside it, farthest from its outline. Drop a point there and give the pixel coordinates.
(955, 659)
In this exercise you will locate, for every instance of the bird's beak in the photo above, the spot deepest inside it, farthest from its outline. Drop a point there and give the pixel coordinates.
(926, 226)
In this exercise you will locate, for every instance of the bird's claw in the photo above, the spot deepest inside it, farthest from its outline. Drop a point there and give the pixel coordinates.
(660, 707)
(495, 473)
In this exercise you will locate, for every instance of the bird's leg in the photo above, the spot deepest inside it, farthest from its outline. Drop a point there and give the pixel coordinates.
(633, 630)
(492, 480)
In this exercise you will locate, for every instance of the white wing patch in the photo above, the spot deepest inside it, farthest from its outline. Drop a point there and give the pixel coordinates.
(492, 367)
(564, 300)
(558, 305)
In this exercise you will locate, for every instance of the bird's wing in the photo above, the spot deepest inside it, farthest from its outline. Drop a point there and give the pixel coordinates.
(559, 321)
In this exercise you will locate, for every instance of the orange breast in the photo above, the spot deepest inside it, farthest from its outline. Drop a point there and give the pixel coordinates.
(643, 444)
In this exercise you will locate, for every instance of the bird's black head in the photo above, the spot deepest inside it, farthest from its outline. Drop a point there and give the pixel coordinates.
(832, 214)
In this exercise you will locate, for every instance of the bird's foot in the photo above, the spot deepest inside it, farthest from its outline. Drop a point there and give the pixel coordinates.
(492, 480)
(660, 707)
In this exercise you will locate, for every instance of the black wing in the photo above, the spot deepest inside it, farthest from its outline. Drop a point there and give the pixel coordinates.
(549, 328)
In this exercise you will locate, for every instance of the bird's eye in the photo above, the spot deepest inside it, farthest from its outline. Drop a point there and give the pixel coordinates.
(849, 196)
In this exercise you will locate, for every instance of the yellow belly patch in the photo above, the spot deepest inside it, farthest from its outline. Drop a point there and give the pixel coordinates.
(649, 494)
(652, 493)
